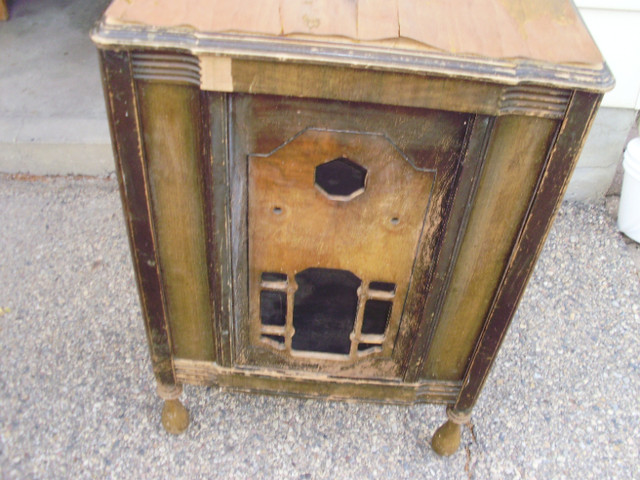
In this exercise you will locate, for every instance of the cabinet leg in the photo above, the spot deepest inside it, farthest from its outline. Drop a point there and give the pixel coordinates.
(175, 418)
(446, 440)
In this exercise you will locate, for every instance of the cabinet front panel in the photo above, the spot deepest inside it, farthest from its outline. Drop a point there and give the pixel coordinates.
(346, 206)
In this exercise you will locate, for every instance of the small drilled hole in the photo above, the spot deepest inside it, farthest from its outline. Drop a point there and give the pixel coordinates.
(277, 210)
(395, 221)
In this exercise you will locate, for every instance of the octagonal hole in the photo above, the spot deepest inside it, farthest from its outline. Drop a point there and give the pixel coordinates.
(341, 178)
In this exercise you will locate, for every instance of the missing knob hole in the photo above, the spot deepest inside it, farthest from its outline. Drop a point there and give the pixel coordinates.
(395, 221)
(277, 210)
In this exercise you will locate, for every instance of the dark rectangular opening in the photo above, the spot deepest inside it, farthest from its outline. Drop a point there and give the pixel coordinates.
(383, 287)
(273, 277)
(324, 311)
(376, 316)
(273, 307)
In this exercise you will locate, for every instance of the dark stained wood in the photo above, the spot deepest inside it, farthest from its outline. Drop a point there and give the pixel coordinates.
(546, 201)
(215, 162)
(132, 177)
(480, 129)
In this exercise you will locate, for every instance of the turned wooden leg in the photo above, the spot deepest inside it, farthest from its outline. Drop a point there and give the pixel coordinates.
(446, 440)
(175, 418)
(4, 10)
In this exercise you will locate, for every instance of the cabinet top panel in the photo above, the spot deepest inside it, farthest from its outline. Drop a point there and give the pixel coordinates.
(546, 30)
(546, 34)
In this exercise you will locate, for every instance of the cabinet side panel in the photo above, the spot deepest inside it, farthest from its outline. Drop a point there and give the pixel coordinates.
(125, 134)
(170, 114)
(553, 183)
(516, 155)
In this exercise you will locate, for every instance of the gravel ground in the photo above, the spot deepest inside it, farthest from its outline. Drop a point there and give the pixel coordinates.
(77, 396)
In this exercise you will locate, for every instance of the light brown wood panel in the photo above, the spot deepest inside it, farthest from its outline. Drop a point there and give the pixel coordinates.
(170, 115)
(507, 184)
(374, 235)
(487, 28)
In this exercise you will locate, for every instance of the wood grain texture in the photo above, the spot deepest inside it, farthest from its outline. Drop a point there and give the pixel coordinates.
(217, 211)
(314, 386)
(374, 235)
(432, 139)
(545, 30)
(341, 83)
(504, 194)
(548, 196)
(124, 123)
(359, 85)
(171, 131)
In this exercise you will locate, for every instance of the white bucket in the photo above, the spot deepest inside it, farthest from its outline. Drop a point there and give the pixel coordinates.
(629, 210)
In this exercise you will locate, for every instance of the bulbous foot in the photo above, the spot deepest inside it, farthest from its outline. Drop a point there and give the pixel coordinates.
(175, 418)
(446, 440)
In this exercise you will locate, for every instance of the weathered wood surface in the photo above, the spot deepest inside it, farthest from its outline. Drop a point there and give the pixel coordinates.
(186, 170)
(545, 30)
(553, 182)
(433, 140)
(131, 168)
(471, 168)
(374, 235)
(468, 116)
(359, 85)
(172, 146)
(265, 380)
(516, 155)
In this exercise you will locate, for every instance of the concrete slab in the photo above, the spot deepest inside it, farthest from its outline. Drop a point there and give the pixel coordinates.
(52, 113)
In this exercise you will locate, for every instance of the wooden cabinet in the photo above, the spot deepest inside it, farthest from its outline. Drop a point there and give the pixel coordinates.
(341, 202)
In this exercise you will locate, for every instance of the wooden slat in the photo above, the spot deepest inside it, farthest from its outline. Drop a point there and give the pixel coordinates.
(215, 166)
(314, 386)
(341, 83)
(479, 133)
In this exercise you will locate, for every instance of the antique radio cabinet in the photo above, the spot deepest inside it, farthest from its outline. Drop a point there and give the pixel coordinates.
(341, 199)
